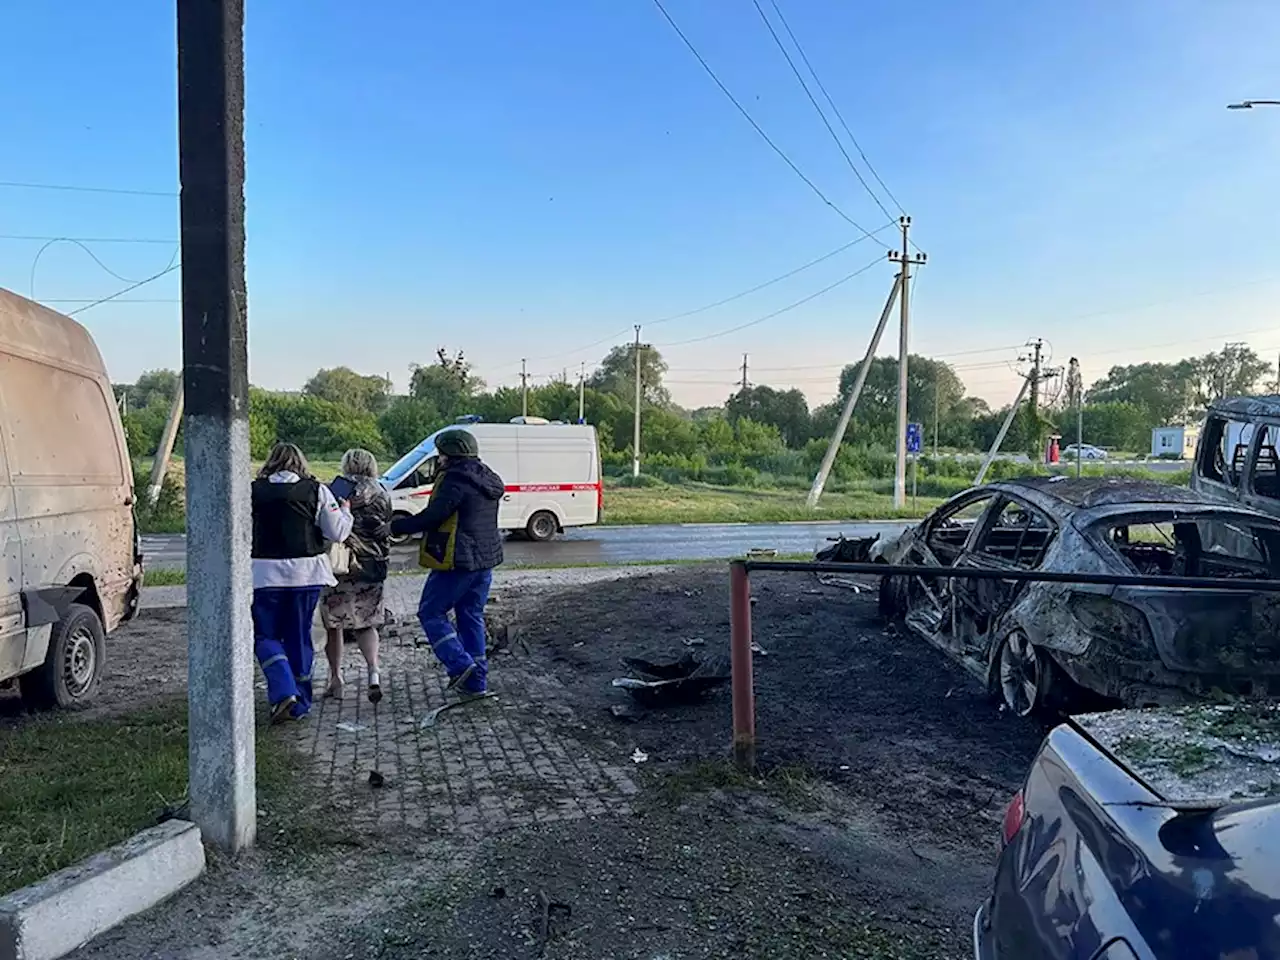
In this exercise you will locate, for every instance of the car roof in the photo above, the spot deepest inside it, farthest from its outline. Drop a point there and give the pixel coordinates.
(1087, 492)
(1090, 499)
(1248, 407)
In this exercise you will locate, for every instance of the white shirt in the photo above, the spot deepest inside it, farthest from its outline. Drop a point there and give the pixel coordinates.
(334, 522)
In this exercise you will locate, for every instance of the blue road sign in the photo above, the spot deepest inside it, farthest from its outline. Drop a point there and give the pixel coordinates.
(914, 433)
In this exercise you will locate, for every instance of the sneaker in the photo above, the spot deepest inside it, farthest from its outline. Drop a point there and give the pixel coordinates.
(375, 687)
(461, 678)
(282, 712)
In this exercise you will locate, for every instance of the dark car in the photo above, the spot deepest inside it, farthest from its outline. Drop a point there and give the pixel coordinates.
(1100, 864)
(1053, 647)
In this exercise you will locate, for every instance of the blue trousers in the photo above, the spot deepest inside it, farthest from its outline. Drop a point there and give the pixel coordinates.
(282, 641)
(465, 593)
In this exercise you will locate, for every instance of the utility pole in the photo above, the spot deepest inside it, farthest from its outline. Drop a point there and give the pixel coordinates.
(829, 459)
(905, 260)
(1004, 429)
(935, 416)
(215, 372)
(1037, 346)
(635, 440)
(165, 450)
(1075, 394)
(582, 394)
(524, 389)
(744, 372)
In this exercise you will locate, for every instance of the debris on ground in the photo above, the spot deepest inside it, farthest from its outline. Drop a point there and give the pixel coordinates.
(430, 719)
(639, 756)
(758, 650)
(847, 550)
(671, 682)
(376, 779)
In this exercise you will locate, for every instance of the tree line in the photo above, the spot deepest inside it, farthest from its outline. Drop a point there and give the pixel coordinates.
(760, 427)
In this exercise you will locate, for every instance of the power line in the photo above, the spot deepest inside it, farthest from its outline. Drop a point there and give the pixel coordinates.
(173, 265)
(17, 185)
(836, 110)
(779, 312)
(816, 106)
(751, 120)
(93, 256)
(767, 283)
(118, 300)
(25, 236)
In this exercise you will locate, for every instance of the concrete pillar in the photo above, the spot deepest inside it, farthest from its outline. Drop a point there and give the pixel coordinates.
(216, 387)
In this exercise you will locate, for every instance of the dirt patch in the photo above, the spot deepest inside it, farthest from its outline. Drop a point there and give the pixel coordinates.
(877, 713)
(870, 833)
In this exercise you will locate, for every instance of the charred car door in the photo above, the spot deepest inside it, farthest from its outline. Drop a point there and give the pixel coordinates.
(944, 538)
(1229, 640)
(1013, 535)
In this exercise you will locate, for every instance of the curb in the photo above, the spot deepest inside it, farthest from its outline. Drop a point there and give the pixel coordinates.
(69, 908)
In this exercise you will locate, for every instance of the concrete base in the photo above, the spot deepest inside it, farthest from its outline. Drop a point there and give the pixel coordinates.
(68, 909)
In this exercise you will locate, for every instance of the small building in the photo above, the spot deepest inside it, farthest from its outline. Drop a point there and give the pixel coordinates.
(1178, 440)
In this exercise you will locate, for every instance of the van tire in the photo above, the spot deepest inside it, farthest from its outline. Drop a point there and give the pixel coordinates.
(542, 526)
(400, 539)
(72, 668)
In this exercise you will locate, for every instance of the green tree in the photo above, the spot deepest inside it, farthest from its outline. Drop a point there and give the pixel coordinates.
(406, 422)
(346, 388)
(1164, 392)
(449, 385)
(1231, 372)
(785, 410)
(617, 375)
(1123, 426)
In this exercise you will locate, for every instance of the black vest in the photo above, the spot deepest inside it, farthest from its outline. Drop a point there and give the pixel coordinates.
(284, 520)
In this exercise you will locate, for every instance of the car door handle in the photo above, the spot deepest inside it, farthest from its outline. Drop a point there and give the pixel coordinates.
(128, 501)
(507, 497)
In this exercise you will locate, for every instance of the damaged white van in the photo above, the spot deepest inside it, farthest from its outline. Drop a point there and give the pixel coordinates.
(70, 557)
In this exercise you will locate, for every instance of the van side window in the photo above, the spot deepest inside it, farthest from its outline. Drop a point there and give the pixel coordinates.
(1223, 450)
(61, 427)
(1266, 468)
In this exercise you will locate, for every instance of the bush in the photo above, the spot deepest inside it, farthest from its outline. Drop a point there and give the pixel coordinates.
(642, 482)
(169, 513)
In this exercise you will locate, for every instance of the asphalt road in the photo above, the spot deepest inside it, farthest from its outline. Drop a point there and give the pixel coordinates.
(584, 545)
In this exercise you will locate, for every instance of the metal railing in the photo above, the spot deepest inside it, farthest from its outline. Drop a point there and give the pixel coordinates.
(740, 658)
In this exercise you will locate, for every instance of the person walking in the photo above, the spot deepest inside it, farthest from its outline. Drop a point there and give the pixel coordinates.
(462, 544)
(293, 515)
(356, 602)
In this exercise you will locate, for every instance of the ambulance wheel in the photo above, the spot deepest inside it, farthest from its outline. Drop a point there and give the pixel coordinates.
(542, 526)
(400, 539)
(72, 668)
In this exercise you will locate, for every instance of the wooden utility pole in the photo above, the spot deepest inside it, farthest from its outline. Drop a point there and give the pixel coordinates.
(524, 389)
(905, 260)
(215, 374)
(837, 437)
(635, 440)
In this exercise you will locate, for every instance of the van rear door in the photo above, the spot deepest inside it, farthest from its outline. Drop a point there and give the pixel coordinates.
(13, 632)
(557, 473)
(499, 449)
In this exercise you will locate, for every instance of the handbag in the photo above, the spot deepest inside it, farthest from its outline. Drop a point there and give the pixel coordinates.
(435, 552)
(340, 559)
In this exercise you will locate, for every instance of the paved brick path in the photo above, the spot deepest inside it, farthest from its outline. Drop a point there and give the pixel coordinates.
(484, 766)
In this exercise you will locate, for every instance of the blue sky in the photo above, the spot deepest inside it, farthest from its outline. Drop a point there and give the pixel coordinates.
(522, 179)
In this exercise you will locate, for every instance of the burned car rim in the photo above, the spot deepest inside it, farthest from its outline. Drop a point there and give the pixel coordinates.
(1022, 673)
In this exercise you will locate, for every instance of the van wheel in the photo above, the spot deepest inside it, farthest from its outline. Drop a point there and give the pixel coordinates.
(72, 669)
(400, 539)
(542, 526)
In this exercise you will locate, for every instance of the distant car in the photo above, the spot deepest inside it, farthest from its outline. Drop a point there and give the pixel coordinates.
(1097, 864)
(1049, 648)
(1086, 452)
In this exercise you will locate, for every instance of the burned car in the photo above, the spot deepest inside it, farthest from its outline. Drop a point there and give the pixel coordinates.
(1052, 647)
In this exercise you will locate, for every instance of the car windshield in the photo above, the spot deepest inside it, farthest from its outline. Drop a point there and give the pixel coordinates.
(400, 469)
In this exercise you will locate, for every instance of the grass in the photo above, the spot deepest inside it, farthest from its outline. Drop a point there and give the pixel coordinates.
(71, 787)
(164, 578)
(793, 786)
(704, 503)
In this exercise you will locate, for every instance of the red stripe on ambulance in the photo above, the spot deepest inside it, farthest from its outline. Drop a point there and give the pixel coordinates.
(536, 488)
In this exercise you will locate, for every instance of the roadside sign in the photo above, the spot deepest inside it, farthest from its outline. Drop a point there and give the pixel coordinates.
(915, 432)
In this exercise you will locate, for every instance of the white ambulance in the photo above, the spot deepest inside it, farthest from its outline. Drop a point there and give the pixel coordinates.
(551, 472)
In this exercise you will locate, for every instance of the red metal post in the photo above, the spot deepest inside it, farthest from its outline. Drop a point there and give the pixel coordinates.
(744, 697)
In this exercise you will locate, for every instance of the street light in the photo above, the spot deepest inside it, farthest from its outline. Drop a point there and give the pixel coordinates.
(1250, 104)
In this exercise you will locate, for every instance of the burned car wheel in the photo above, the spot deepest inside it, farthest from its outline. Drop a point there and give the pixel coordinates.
(1025, 675)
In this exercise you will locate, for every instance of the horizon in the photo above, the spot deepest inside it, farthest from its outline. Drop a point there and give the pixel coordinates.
(556, 166)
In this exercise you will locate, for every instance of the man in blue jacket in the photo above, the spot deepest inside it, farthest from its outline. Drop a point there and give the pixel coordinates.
(466, 487)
